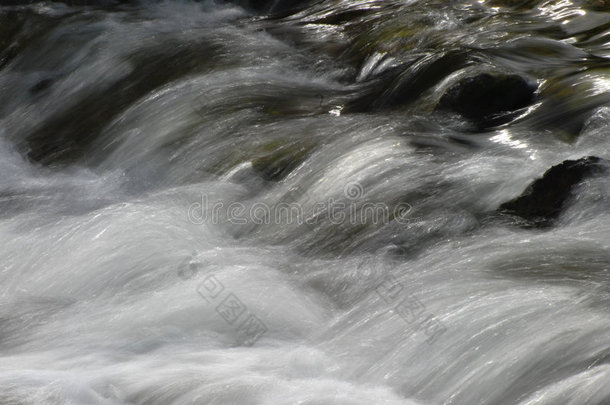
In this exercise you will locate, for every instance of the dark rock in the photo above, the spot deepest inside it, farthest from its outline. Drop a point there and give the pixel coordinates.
(542, 201)
(488, 99)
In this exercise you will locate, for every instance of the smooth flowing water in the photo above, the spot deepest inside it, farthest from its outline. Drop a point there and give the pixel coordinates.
(206, 203)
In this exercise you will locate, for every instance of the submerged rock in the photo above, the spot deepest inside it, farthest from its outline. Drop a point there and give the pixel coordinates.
(400, 86)
(518, 4)
(280, 159)
(272, 6)
(542, 201)
(568, 102)
(488, 99)
(64, 137)
(88, 3)
(597, 5)
(20, 27)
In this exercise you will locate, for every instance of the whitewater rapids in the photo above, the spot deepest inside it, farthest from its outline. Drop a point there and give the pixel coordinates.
(118, 250)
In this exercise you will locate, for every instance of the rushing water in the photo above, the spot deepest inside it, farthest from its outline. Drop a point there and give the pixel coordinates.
(204, 204)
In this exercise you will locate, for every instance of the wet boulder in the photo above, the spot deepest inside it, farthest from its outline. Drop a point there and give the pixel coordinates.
(543, 200)
(488, 99)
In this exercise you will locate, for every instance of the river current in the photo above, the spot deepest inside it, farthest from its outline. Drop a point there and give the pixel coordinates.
(235, 203)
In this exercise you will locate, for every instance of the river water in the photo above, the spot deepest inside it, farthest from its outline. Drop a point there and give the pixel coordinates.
(203, 203)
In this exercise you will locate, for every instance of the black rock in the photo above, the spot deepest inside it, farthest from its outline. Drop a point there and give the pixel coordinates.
(488, 99)
(542, 201)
